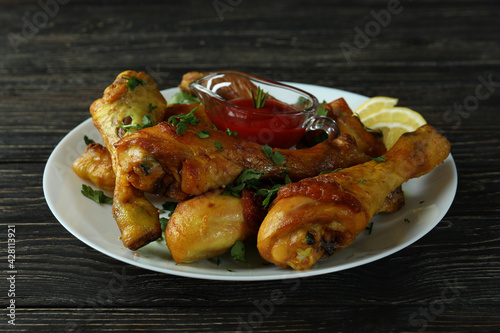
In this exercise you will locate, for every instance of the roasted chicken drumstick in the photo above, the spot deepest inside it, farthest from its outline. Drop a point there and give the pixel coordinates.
(157, 159)
(95, 165)
(319, 216)
(208, 225)
(133, 101)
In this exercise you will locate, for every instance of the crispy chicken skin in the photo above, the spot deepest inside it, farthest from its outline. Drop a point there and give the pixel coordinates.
(393, 202)
(128, 104)
(369, 142)
(319, 216)
(160, 161)
(157, 158)
(188, 78)
(208, 225)
(95, 165)
(177, 109)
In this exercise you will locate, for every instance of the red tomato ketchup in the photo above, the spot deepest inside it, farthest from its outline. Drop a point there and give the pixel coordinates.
(276, 124)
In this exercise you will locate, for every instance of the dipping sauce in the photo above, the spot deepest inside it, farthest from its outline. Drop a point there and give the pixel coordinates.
(277, 124)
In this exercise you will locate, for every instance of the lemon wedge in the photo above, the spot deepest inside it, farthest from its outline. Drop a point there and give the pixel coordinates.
(374, 105)
(381, 114)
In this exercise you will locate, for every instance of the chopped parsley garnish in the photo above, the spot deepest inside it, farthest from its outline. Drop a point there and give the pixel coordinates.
(277, 157)
(286, 174)
(238, 252)
(133, 82)
(170, 206)
(219, 145)
(152, 107)
(234, 190)
(369, 228)
(96, 195)
(203, 134)
(184, 98)
(325, 172)
(146, 122)
(269, 194)
(182, 120)
(87, 140)
(407, 220)
(249, 178)
(321, 110)
(229, 132)
(163, 223)
(302, 101)
(378, 159)
(259, 100)
(378, 132)
(362, 181)
(268, 151)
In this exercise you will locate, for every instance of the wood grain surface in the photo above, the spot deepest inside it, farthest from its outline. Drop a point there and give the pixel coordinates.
(432, 55)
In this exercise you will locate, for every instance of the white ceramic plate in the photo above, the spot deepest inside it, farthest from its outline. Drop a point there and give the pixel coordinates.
(427, 200)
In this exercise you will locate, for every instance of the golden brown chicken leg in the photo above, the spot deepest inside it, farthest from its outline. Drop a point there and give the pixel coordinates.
(319, 216)
(93, 162)
(159, 157)
(369, 142)
(95, 165)
(133, 101)
(208, 225)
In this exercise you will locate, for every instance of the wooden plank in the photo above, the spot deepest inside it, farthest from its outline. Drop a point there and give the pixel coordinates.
(431, 56)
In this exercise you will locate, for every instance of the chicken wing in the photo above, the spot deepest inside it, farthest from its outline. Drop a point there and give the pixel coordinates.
(319, 216)
(133, 101)
(208, 225)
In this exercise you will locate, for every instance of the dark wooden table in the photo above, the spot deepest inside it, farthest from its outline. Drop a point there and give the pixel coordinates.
(441, 58)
